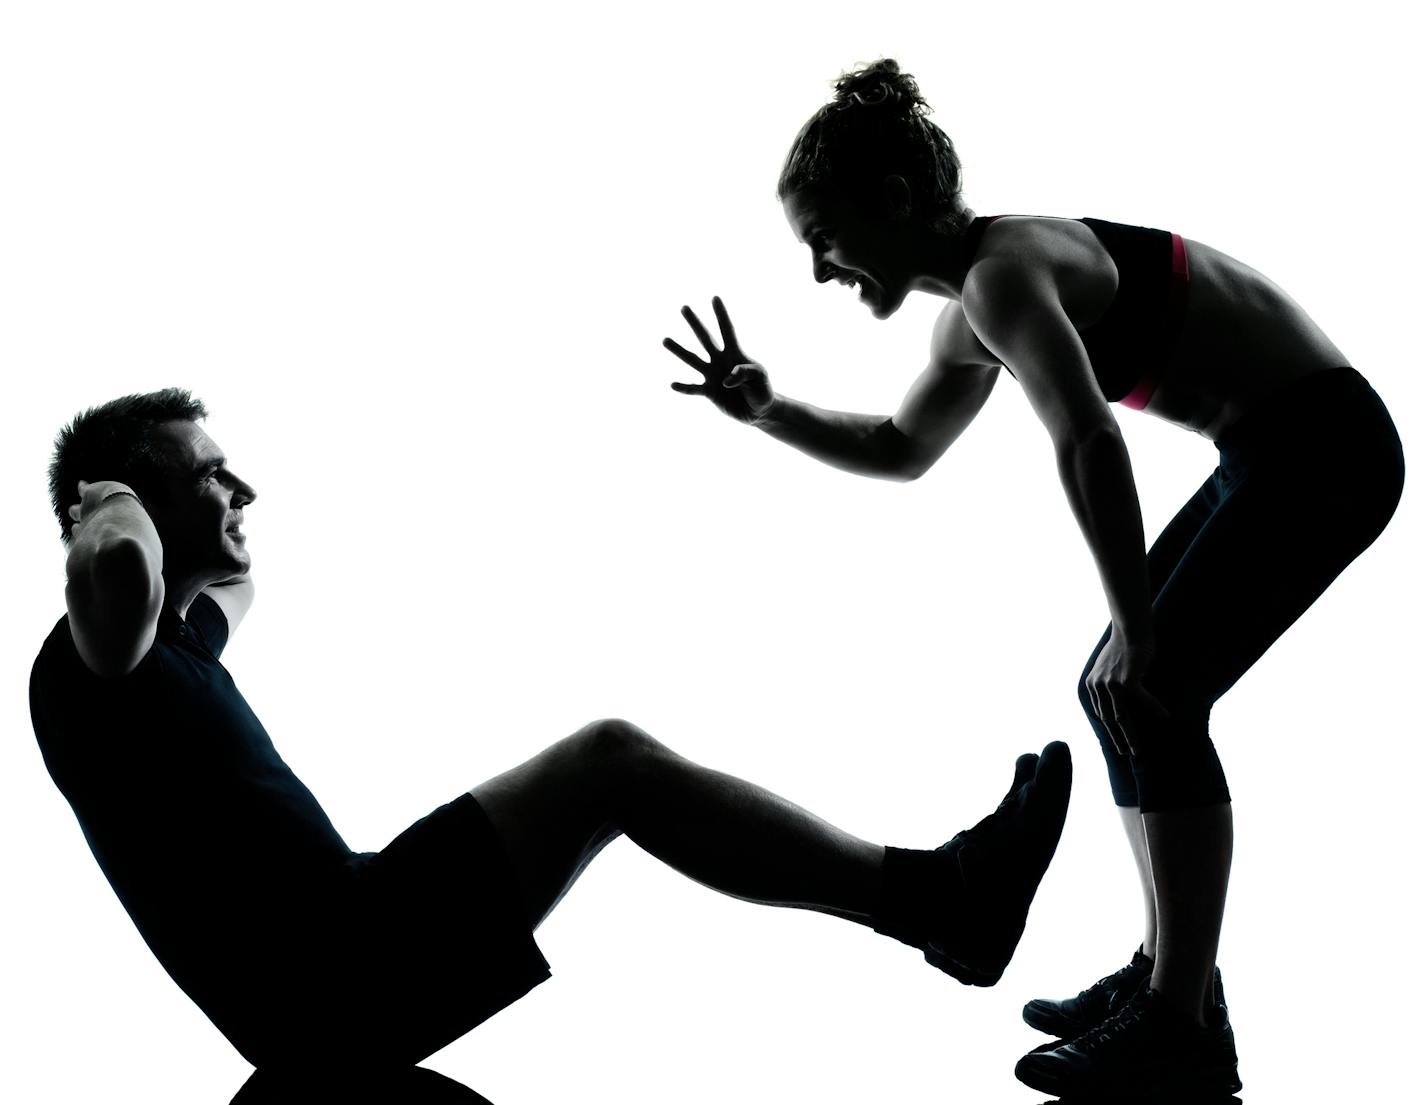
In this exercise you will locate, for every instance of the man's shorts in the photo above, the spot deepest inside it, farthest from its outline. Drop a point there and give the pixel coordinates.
(414, 945)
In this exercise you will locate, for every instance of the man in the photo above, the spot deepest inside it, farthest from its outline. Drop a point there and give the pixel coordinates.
(310, 956)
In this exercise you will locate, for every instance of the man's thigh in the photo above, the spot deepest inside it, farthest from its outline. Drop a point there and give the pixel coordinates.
(428, 939)
(553, 813)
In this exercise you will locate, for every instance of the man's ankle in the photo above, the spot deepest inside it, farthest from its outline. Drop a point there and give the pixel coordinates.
(918, 889)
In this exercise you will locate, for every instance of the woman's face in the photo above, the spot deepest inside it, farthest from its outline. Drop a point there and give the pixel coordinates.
(854, 248)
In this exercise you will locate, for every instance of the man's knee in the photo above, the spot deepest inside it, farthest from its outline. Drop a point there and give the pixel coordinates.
(616, 747)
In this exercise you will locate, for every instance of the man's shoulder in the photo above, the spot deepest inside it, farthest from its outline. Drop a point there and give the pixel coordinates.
(60, 686)
(60, 676)
(57, 650)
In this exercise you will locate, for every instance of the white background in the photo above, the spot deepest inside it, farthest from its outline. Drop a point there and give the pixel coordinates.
(418, 260)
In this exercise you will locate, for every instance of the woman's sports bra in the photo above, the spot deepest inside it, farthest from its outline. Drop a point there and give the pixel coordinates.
(1129, 345)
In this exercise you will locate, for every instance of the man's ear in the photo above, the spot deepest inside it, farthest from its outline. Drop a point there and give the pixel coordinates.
(896, 195)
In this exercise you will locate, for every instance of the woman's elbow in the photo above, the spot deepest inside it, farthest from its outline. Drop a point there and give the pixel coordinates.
(897, 457)
(910, 468)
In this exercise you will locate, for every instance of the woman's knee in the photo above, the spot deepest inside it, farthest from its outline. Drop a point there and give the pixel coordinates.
(1084, 698)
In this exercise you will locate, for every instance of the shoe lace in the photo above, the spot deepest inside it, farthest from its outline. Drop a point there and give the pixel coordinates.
(1110, 984)
(977, 835)
(1124, 1022)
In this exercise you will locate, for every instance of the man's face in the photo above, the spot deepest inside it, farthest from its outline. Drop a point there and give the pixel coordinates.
(200, 509)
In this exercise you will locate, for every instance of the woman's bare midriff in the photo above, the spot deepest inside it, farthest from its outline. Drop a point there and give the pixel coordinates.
(1242, 339)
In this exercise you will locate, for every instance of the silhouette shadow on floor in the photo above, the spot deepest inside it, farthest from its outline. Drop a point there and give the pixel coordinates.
(1146, 1101)
(410, 1086)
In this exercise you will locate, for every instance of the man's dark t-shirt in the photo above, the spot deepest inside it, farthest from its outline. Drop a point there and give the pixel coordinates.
(208, 838)
(240, 884)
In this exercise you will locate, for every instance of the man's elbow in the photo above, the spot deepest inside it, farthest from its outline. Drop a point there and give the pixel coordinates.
(118, 575)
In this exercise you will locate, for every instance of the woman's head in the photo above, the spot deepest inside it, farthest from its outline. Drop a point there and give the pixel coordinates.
(870, 184)
(876, 127)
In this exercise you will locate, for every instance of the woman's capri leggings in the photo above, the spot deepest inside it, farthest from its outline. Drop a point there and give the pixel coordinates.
(1306, 482)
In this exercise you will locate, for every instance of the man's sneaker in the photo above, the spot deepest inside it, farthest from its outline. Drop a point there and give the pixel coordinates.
(1145, 1050)
(1072, 1017)
(999, 863)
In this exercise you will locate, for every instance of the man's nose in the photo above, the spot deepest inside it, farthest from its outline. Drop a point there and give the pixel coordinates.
(243, 491)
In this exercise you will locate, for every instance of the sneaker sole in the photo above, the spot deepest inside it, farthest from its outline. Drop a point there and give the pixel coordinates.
(1205, 1088)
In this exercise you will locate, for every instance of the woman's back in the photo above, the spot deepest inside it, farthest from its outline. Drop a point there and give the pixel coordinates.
(1239, 337)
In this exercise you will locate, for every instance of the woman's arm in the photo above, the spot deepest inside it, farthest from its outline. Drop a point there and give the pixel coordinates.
(940, 404)
(1017, 313)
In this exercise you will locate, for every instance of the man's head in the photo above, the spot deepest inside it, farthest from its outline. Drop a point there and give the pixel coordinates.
(153, 443)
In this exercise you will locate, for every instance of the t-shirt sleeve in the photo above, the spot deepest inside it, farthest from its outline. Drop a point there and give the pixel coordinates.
(206, 619)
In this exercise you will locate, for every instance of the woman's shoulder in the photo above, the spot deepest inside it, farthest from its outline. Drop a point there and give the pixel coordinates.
(1037, 239)
(1029, 259)
(954, 344)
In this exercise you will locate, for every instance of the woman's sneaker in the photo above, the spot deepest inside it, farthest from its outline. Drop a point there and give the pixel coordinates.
(1146, 1050)
(1073, 1016)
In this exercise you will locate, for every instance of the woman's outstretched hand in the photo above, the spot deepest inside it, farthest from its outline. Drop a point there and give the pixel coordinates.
(733, 381)
(1129, 711)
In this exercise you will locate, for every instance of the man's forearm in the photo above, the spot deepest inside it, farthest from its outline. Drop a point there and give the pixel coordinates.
(866, 444)
(112, 534)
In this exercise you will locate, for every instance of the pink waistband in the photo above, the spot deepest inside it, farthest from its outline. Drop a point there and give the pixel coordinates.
(1139, 396)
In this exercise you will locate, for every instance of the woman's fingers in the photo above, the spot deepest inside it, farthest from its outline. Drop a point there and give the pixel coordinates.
(738, 376)
(724, 322)
(1136, 716)
(748, 374)
(690, 389)
(1117, 721)
(689, 359)
(1103, 707)
(701, 331)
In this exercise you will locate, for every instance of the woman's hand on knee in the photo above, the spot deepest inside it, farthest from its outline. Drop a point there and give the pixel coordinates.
(1117, 689)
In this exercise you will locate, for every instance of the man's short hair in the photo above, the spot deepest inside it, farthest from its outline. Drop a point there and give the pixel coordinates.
(115, 442)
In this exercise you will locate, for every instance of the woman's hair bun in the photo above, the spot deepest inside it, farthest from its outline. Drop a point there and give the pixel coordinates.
(878, 84)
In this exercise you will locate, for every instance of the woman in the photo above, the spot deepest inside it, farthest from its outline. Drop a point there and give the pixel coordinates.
(1084, 313)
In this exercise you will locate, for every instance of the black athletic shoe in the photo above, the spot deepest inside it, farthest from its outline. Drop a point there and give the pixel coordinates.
(1072, 1017)
(1144, 1051)
(1001, 861)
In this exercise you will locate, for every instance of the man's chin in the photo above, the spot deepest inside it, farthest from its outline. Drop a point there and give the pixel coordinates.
(238, 565)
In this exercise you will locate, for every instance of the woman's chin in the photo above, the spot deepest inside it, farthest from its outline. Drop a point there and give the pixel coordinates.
(882, 310)
(879, 304)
